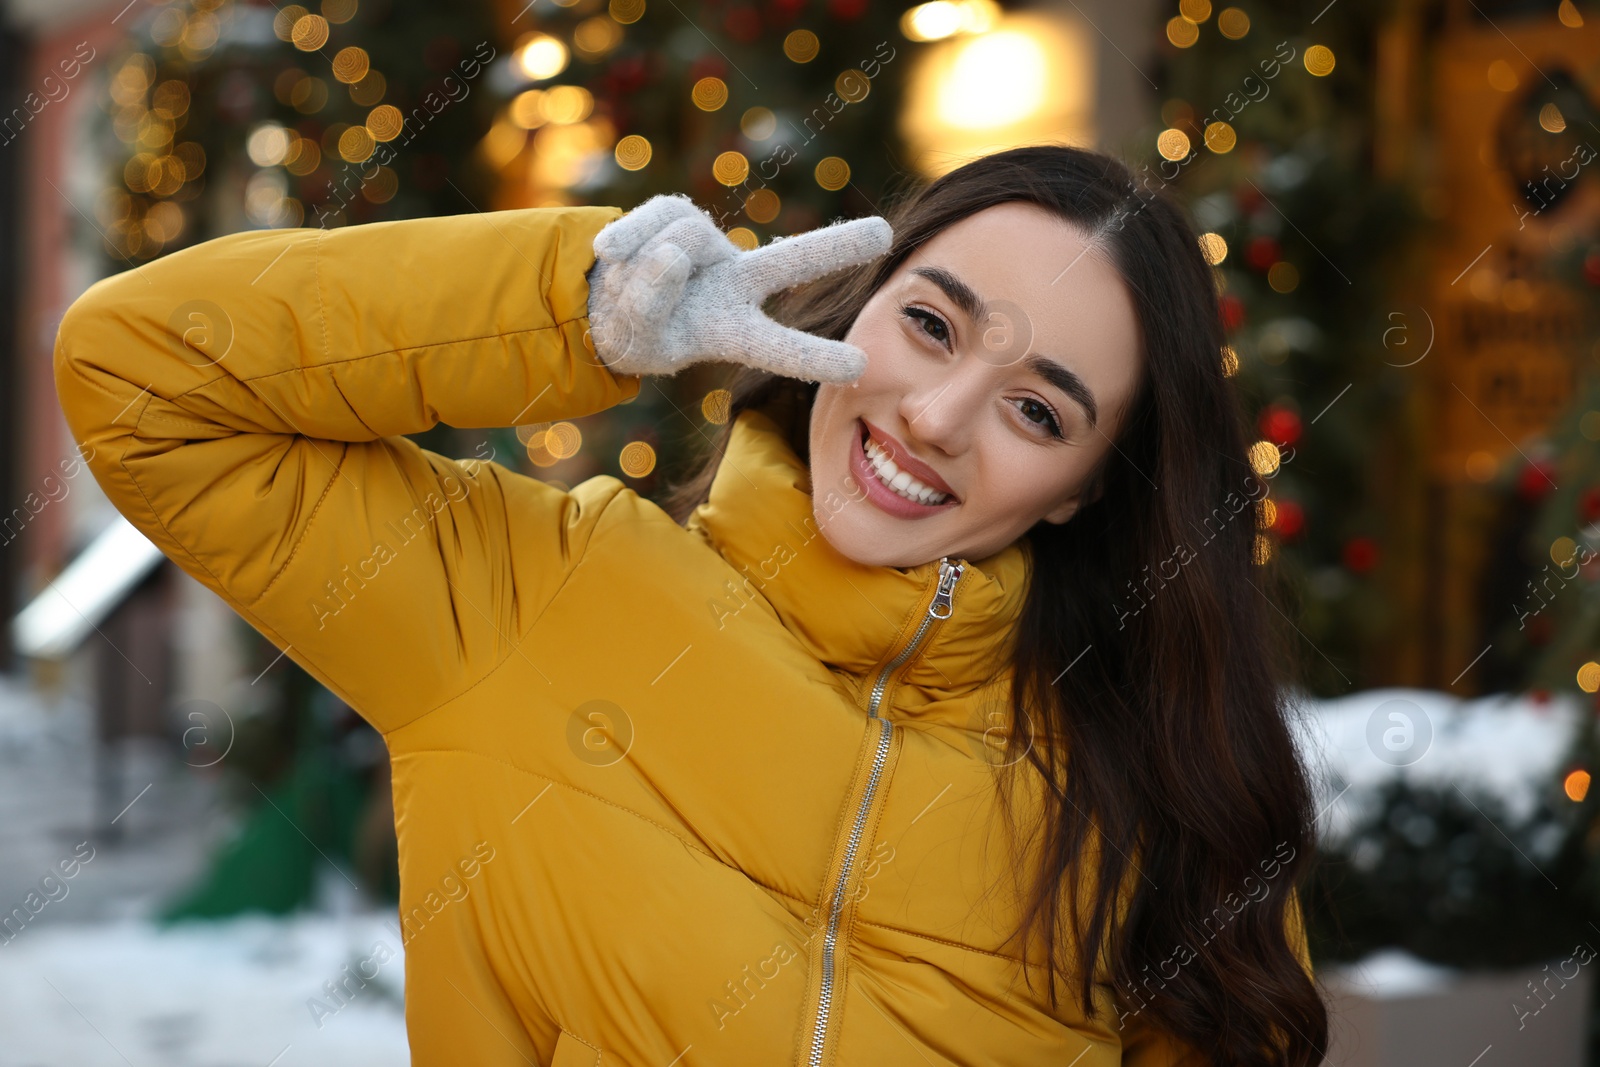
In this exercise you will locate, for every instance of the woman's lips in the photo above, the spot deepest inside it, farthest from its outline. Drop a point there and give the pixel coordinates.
(881, 496)
(904, 460)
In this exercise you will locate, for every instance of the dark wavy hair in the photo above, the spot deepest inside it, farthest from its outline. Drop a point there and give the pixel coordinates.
(1174, 711)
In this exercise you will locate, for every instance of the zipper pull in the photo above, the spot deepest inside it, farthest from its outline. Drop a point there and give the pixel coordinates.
(944, 599)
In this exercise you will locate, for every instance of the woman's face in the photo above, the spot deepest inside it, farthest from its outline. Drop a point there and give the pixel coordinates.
(1000, 330)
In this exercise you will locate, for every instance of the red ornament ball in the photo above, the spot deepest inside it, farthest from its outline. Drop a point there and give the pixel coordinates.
(1262, 252)
(1232, 309)
(1591, 267)
(1279, 425)
(1360, 555)
(847, 9)
(1290, 520)
(1589, 505)
(1535, 481)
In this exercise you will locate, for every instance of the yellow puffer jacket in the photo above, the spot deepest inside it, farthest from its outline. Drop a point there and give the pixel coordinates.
(664, 796)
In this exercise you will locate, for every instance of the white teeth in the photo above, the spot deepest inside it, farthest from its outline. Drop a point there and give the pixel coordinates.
(898, 480)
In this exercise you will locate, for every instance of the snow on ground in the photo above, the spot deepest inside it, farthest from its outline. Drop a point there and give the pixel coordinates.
(214, 994)
(1505, 747)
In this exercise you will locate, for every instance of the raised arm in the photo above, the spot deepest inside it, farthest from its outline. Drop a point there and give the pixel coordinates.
(244, 401)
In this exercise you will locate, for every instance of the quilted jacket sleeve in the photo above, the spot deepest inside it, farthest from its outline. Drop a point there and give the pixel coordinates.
(242, 403)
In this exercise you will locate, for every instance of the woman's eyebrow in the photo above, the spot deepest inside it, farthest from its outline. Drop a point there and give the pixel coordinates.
(977, 309)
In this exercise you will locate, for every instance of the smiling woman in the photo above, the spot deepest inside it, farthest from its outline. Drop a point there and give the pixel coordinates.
(863, 688)
(1044, 395)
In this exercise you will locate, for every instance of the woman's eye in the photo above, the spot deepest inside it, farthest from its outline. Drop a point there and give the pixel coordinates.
(925, 319)
(1048, 421)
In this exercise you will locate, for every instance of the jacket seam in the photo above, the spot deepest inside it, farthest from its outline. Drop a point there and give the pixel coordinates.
(944, 941)
(596, 1048)
(322, 310)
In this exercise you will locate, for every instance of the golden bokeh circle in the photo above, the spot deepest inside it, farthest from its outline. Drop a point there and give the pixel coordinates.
(1220, 138)
(637, 459)
(351, 64)
(626, 11)
(563, 440)
(1261, 550)
(1264, 457)
(284, 21)
(1267, 513)
(338, 10)
(762, 206)
(594, 37)
(709, 94)
(310, 32)
(1195, 10)
(1181, 32)
(381, 187)
(852, 86)
(1173, 144)
(385, 122)
(1233, 23)
(1589, 677)
(1283, 276)
(1319, 60)
(730, 168)
(1213, 247)
(715, 404)
(566, 104)
(1230, 361)
(632, 152)
(832, 173)
(356, 145)
(744, 237)
(1562, 549)
(801, 46)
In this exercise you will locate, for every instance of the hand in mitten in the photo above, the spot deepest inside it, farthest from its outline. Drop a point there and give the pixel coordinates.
(668, 289)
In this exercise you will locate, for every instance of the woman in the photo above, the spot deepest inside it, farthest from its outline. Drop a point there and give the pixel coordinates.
(779, 774)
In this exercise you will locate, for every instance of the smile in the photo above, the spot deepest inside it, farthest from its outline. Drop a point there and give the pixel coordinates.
(890, 486)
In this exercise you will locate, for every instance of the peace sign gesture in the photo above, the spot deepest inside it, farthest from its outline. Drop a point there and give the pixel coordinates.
(669, 289)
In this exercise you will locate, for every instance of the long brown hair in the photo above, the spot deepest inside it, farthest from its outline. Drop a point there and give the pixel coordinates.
(1173, 710)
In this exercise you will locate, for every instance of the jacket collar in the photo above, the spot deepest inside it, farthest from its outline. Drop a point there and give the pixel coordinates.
(850, 616)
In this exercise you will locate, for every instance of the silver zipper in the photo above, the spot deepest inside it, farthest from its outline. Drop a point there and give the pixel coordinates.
(943, 598)
(940, 608)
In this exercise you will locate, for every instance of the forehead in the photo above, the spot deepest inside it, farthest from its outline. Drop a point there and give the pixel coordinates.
(1032, 264)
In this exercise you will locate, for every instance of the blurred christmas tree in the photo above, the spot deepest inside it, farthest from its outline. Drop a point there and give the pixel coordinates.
(1265, 132)
(775, 117)
(1544, 610)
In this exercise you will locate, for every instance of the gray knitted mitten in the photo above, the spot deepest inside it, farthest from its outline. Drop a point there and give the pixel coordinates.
(669, 289)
